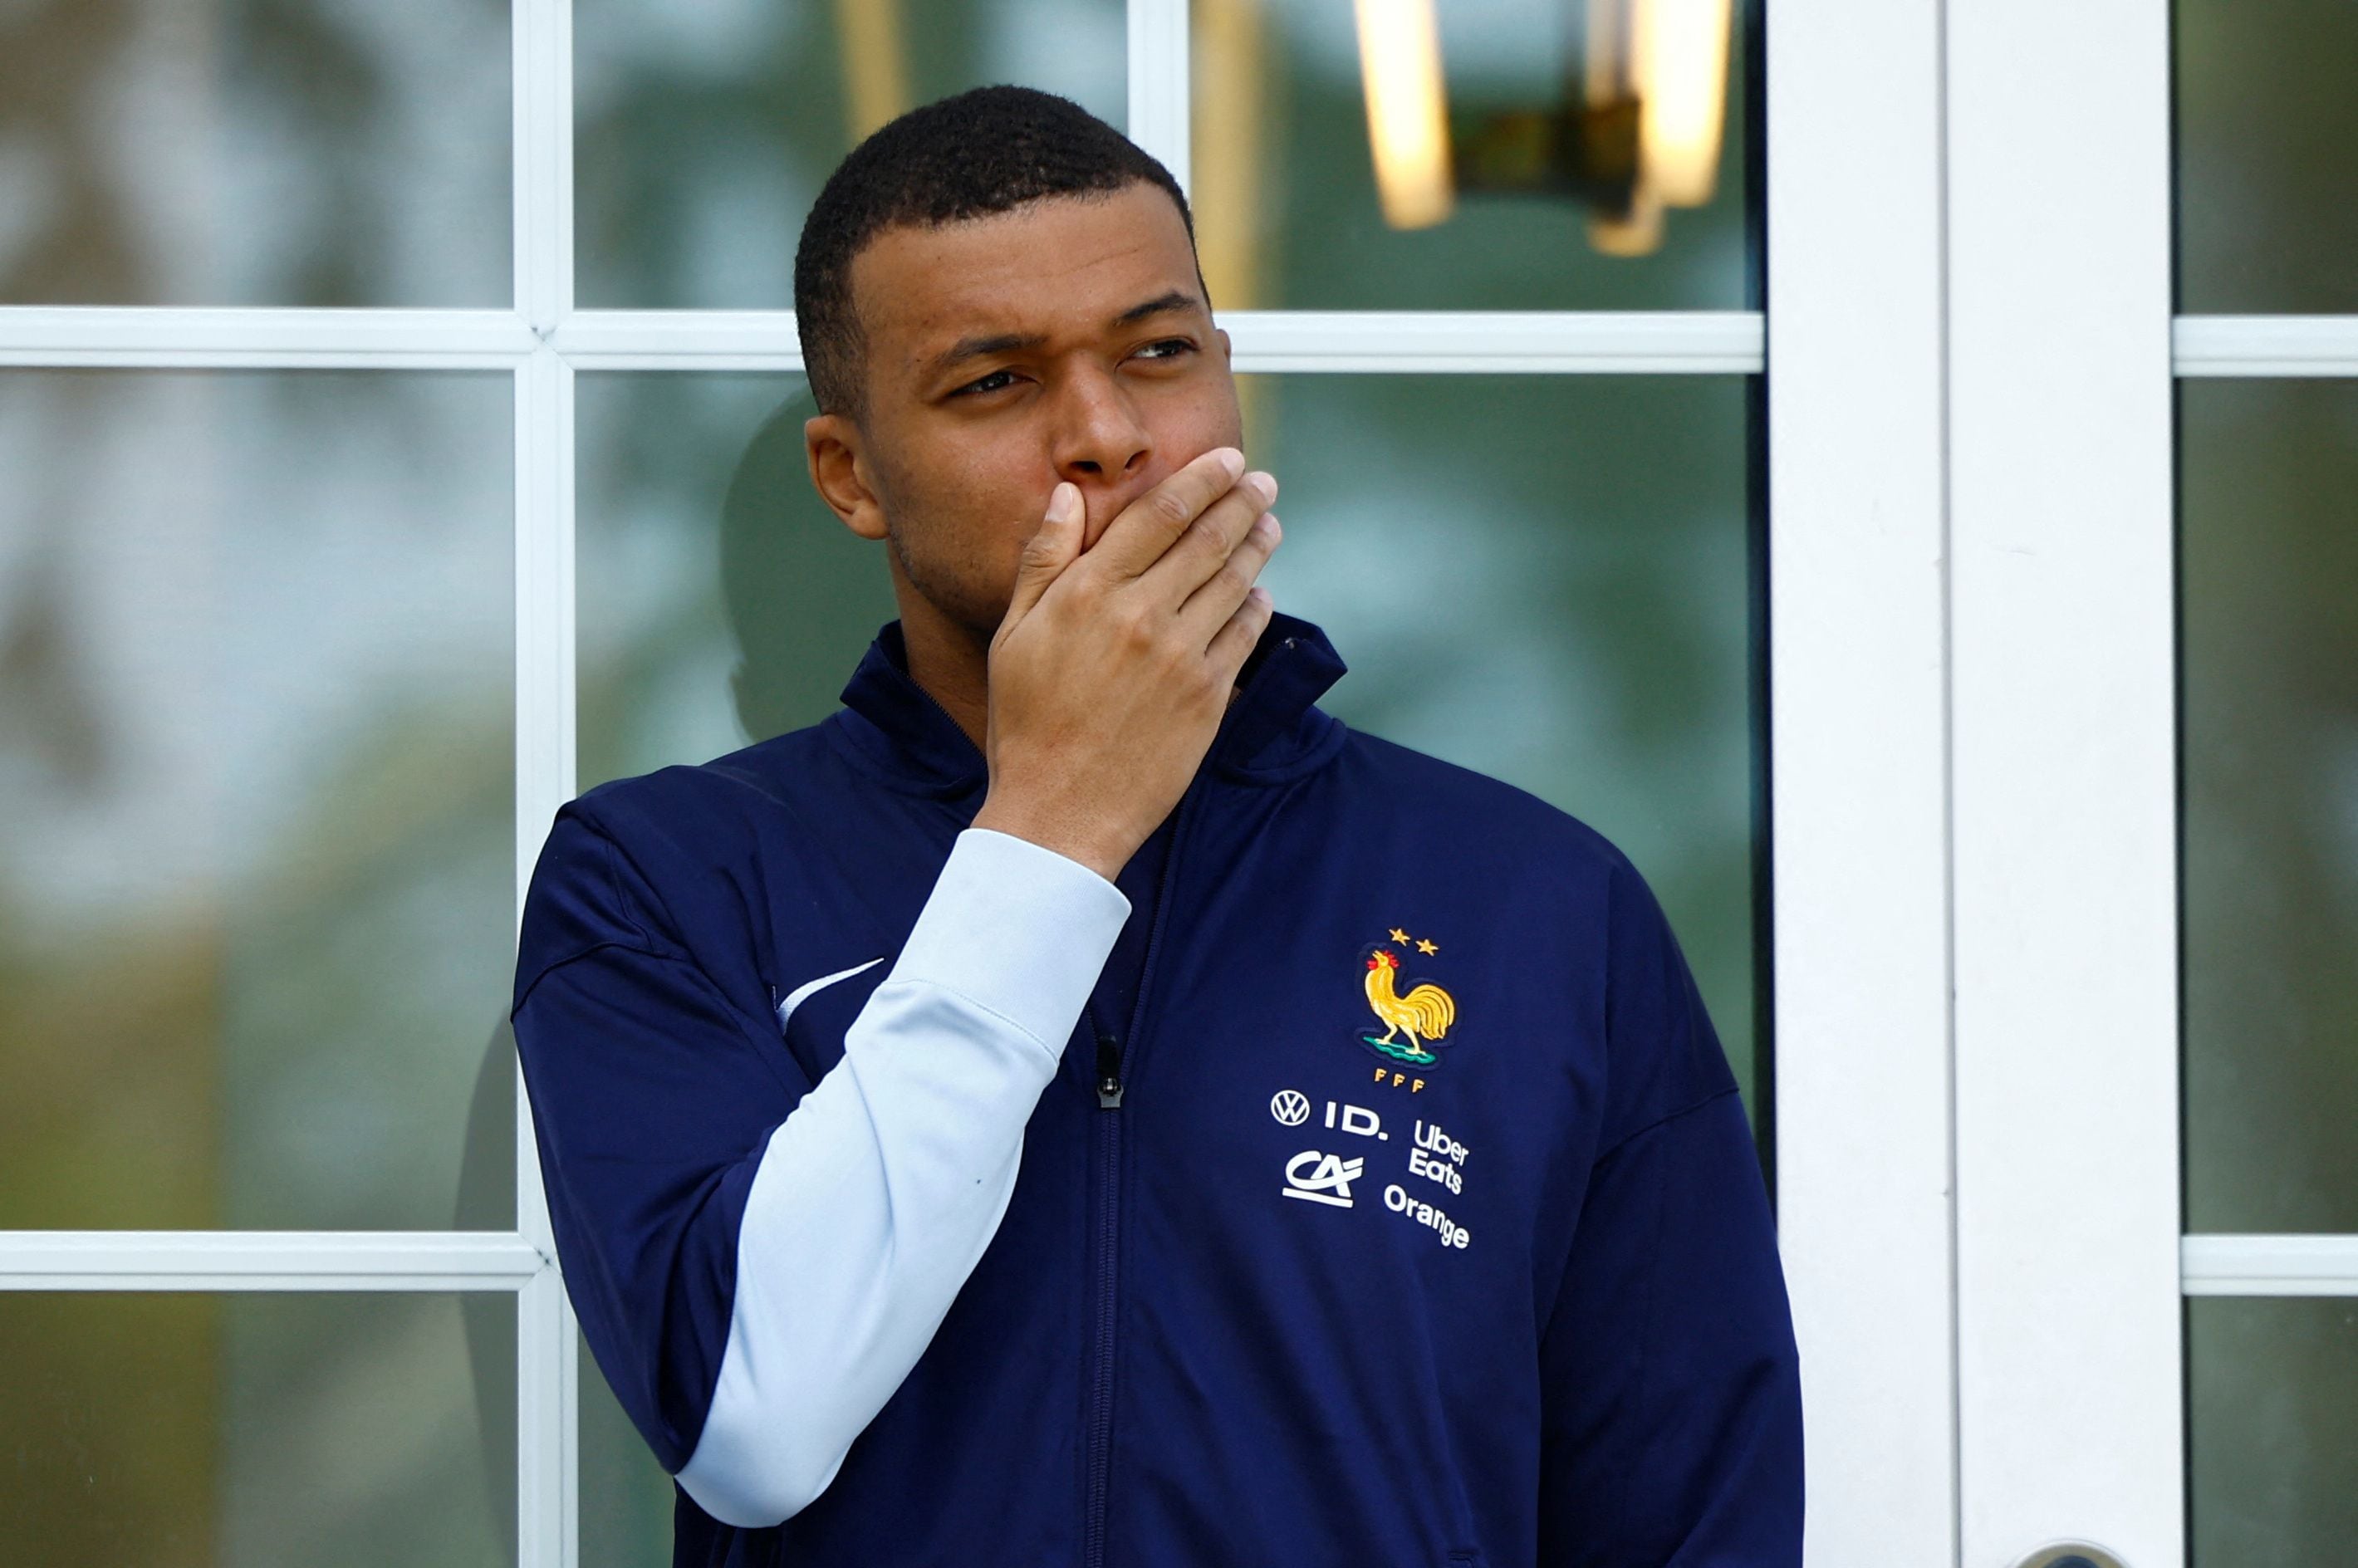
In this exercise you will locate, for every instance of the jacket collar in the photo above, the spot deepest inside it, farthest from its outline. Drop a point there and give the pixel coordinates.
(896, 723)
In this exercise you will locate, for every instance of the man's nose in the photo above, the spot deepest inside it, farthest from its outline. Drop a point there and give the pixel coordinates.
(1100, 442)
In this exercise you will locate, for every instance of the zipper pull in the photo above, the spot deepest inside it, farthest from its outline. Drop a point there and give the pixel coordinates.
(1109, 1073)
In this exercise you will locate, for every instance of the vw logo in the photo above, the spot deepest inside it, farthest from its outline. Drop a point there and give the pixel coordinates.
(1291, 1107)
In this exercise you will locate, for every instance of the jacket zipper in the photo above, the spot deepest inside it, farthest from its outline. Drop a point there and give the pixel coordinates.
(1100, 1433)
(1108, 1216)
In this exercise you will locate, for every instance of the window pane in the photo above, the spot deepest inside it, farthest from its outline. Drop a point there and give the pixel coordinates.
(256, 885)
(626, 1498)
(1547, 579)
(1284, 189)
(720, 601)
(2268, 573)
(705, 131)
(2268, 156)
(223, 1432)
(2273, 1424)
(254, 152)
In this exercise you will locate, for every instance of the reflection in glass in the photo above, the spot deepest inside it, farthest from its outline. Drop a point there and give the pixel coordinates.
(2267, 151)
(2272, 1426)
(1545, 578)
(254, 152)
(705, 131)
(1284, 189)
(2268, 574)
(251, 1431)
(256, 876)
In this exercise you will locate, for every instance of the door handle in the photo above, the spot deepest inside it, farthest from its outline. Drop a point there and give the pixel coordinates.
(2068, 1555)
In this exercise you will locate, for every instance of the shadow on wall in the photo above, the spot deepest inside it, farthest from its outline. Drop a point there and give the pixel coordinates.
(721, 602)
(779, 543)
(487, 1201)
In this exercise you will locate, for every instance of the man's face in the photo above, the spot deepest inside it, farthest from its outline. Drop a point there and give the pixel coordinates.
(1066, 339)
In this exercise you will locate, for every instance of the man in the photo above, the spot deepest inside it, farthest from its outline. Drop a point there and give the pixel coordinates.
(1080, 1104)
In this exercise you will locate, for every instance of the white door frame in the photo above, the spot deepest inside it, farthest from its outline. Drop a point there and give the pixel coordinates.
(1971, 368)
(2065, 820)
(1859, 743)
(1972, 692)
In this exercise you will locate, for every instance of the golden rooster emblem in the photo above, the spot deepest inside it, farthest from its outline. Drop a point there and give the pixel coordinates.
(1424, 1013)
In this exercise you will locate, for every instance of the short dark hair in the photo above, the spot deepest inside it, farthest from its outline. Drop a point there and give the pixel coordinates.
(982, 152)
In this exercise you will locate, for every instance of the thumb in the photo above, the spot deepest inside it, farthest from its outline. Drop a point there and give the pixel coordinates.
(1048, 552)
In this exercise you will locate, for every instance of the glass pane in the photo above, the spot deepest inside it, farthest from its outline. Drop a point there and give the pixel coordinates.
(223, 1432)
(254, 152)
(1563, 602)
(705, 131)
(626, 1498)
(2268, 574)
(256, 885)
(2273, 1424)
(2268, 156)
(720, 601)
(1286, 202)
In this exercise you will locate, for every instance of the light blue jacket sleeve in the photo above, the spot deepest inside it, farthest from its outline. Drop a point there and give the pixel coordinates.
(875, 1198)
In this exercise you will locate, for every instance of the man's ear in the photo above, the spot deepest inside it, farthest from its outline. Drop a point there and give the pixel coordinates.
(840, 474)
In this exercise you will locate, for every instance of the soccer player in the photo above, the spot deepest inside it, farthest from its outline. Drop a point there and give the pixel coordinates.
(1079, 1104)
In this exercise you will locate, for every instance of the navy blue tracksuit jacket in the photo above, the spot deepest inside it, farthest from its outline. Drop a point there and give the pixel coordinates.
(1527, 1312)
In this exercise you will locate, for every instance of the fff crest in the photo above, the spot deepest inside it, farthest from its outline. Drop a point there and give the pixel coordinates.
(1411, 1015)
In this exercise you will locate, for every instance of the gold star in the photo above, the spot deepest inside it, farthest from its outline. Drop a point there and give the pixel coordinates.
(1428, 947)
(1398, 934)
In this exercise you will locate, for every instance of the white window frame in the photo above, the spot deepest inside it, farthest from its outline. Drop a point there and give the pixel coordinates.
(1858, 660)
(542, 342)
(1934, 545)
(1973, 358)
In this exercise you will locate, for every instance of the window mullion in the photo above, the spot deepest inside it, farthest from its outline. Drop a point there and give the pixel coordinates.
(1159, 81)
(546, 1406)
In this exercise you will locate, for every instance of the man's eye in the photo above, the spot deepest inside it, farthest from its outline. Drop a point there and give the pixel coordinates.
(997, 381)
(1168, 349)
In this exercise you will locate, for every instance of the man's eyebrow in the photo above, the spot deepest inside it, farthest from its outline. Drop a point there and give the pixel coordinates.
(977, 348)
(982, 348)
(1178, 299)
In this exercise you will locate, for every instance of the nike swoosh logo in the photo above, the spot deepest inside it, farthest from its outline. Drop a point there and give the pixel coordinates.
(808, 989)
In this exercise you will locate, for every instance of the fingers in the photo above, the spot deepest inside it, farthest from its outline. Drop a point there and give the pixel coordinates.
(1198, 553)
(1234, 640)
(1138, 538)
(1208, 609)
(1048, 552)
(1184, 556)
